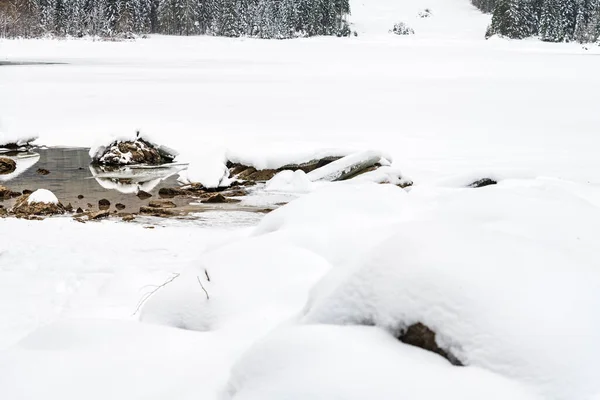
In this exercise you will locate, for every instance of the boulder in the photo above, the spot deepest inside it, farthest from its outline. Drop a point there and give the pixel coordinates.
(128, 152)
(7, 165)
(421, 336)
(120, 206)
(219, 198)
(482, 183)
(40, 202)
(143, 195)
(156, 212)
(103, 204)
(6, 193)
(99, 215)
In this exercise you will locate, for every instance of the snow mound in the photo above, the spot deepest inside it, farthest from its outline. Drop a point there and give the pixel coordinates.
(384, 174)
(496, 301)
(291, 182)
(347, 166)
(206, 167)
(42, 196)
(234, 286)
(353, 362)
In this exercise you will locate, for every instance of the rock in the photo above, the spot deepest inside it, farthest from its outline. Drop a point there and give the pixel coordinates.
(162, 204)
(42, 171)
(103, 204)
(311, 165)
(27, 191)
(24, 209)
(421, 336)
(237, 169)
(262, 175)
(7, 165)
(346, 167)
(69, 208)
(172, 192)
(80, 197)
(143, 195)
(78, 219)
(138, 151)
(6, 193)
(79, 210)
(99, 215)
(482, 183)
(3, 212)
(246, 173)
(90, 205)
(128, 217)
(120, 206)
(156, 212)
(219, 198)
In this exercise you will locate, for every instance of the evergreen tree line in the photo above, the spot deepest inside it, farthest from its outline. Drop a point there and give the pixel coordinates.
(112, 18)
(550, 20)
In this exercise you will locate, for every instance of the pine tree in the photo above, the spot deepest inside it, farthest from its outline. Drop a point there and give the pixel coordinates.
(515, 19)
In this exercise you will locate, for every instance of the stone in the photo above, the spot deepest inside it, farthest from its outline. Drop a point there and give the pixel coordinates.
(99, 215)
(120, 206)
(156, 212)
(128, 218)
(103, 204)
(246, 173)
(69, 208)
(23, 209)
(419, 335)
(138, 151)
(27, 191)
(6, 193)
(482, 183)
(172, 192)
(42, 171)
(80, 197)
(218, 198)
(79, 210)
(262, 175)
(162, 204)
(143, 195)
(310, 165)
(7, 165)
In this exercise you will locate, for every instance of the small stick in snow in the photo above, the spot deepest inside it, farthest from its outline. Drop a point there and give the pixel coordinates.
(149, 294)
(202, 286)
(206, 273)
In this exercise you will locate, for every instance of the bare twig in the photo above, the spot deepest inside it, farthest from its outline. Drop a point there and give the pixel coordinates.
(202, 286)
(146, 296)
(206, 273)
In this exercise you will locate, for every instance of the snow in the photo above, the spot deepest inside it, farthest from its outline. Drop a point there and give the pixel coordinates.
(505, 274)
(340, 169)
(324, 362)
(23, 160)
(42, 196)
(290, 181)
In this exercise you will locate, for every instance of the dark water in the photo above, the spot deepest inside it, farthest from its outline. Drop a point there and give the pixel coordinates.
(71, 175)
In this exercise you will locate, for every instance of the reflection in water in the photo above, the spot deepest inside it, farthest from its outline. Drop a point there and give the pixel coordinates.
(131, 179)
(24, 161)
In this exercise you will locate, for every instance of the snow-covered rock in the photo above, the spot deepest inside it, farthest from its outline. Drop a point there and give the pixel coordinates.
(40, 202)
(132, 150)
(233, 286)
(291, 182)
(23, 161)
(348, 166)
(357, 363)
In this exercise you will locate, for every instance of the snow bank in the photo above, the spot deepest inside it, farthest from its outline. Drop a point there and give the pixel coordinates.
(245, 282)
(42, 196)
(384, 174)
(206, 166)
(333, 362)
(291, 182)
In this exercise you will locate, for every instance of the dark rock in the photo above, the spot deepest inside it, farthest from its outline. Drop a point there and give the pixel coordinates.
(156, 212)
(79, 210)
(78, 219)
(6, 193)
(421, 336)
(172, 192)
(162, 204)
(69, 208)
(246, 173)
(80, 197)
(237, 169)
(7, 165)
(262, 175)
(218, 198)
(99, 215)
(482, 183)
(310, 165)
(3, 212)
(42, 171)
(27, 191)
(23, 209)
(143, 195)
(120, 206)
(90, 205)
(103, 204)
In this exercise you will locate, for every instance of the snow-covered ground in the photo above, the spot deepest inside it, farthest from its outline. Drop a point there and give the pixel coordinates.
(506, 275)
